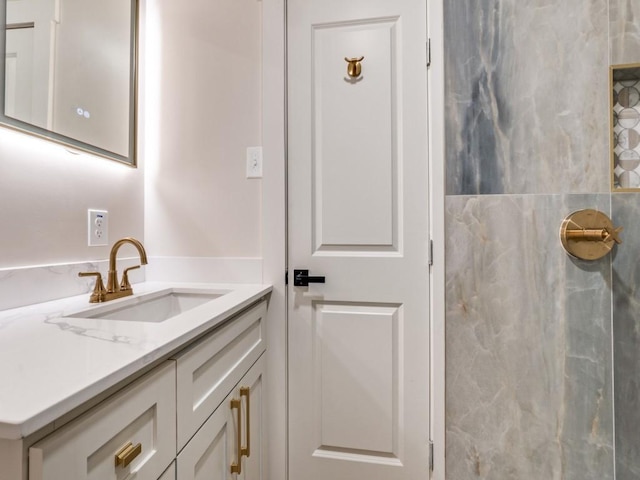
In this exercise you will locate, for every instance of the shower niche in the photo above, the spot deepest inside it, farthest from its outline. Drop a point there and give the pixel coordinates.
(625, 127)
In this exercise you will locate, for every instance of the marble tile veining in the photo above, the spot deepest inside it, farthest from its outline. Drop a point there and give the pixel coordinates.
(624, 18)
(29, 285)
(526, 96)
(626, 336)
(528, 344)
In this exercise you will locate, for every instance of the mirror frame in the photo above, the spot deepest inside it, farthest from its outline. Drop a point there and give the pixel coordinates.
(73, 145)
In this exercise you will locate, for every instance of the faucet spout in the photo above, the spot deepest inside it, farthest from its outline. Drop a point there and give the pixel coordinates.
(112, 279)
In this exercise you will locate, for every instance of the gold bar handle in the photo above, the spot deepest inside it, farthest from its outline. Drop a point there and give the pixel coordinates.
(127, 454)
(236, 467)
(597, 235)
(246, 392)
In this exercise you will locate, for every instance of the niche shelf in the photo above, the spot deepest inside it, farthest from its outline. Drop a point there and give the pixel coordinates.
(625, 127)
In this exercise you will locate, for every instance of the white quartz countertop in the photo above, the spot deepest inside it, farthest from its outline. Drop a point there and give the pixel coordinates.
(51, 364)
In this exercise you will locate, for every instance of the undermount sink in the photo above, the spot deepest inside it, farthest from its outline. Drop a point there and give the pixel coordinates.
(153, 307)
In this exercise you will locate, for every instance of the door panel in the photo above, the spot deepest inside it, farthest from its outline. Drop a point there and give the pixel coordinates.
(357, 388)
(358, 203)
(351, 213)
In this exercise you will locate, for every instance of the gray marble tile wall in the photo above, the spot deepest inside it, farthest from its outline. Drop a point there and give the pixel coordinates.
(626, 335)
(527, 96)
(528, 359)
(625, 48)
(624, 18)
(529, 368)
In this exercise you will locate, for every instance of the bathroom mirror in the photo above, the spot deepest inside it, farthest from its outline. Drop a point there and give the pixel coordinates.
(69, 73)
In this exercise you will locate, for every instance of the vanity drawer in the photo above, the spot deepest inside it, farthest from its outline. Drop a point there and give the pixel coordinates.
(86, 448)
(208, 371)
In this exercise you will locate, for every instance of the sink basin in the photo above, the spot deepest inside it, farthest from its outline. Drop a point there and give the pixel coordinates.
(153, 307)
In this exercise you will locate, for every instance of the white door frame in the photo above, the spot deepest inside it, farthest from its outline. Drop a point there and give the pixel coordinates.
(274, 233)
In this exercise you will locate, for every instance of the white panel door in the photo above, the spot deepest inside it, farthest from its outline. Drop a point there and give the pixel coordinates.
(358, 203)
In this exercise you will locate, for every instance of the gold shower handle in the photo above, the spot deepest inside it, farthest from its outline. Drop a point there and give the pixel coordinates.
(598, 234)
(354, 67)
(589, 234)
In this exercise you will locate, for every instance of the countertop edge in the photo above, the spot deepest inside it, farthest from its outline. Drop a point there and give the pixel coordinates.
(44, 418)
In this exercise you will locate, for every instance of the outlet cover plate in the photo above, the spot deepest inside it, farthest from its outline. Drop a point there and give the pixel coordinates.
(98, 228)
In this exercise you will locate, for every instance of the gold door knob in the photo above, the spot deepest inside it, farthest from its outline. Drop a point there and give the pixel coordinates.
(589, 234)
(354, 67)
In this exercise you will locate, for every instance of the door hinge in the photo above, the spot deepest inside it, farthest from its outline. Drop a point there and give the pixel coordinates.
(430, 456)
(428, 52)
(286, 277)
(430, 253)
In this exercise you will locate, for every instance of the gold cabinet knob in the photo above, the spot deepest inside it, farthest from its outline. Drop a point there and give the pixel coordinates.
(127, 454)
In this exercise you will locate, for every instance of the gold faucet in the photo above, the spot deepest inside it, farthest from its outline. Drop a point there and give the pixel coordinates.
(113, 290)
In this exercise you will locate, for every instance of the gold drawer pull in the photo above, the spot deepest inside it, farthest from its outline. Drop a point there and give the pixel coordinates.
(246, 392)
(236, 467)
(127, 454)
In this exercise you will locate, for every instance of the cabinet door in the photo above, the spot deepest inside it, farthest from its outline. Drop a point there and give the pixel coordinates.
(143, 414)
(169, 473)
(252, 386)
(209, 370)
(219, 444)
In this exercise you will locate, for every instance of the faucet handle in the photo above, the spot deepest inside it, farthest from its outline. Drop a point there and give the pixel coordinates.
(97, 295)
(124, 284)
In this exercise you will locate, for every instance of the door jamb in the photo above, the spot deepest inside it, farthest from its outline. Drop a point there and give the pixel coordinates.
(436, 109)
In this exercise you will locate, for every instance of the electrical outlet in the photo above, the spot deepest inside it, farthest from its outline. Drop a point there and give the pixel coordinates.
(254, 162)
(98, 232)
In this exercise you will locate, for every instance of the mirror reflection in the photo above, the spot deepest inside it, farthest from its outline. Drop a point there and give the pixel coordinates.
(69, 72)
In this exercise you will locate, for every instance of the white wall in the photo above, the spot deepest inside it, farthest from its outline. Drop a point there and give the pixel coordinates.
(273, 236)
(202, 77)
(45, 192)
(200, 108)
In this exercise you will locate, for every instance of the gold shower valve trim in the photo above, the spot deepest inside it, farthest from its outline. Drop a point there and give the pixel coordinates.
(589, 234)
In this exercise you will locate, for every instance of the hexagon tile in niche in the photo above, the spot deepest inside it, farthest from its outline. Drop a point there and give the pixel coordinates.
(625, 83)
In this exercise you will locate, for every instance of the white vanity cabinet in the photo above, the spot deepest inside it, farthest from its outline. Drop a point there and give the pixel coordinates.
(208, 370)
(170, 473)
(174, 422)
(229, 444)
(142, 416)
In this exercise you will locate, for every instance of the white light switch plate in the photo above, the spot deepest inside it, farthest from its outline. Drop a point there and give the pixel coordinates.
(254, 162)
